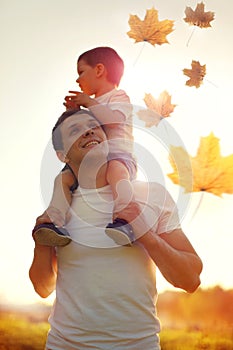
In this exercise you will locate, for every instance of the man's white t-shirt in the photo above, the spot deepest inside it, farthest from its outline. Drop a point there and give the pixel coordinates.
(106, 294)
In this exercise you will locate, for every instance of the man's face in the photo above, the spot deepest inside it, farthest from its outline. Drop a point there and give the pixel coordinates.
(82, 134)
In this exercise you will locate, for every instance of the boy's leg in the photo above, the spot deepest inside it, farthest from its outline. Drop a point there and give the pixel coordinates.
(119, 180)
(50, 235)
(53, 233)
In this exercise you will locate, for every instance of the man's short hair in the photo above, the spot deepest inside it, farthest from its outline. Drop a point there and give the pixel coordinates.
(109, 58)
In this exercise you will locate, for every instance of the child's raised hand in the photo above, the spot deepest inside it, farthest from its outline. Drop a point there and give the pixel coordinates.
(70, 101)
(78, 99)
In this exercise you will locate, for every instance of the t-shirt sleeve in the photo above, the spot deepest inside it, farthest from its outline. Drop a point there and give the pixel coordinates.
(120, 101)
(169, 217)
(160, 212)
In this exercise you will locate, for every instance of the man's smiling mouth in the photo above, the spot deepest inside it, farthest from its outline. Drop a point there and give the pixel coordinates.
(91, 143)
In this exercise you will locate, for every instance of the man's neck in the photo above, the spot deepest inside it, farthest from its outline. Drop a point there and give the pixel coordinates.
(91, 177)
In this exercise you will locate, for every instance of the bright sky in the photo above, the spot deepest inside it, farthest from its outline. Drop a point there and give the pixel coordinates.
(40, 43)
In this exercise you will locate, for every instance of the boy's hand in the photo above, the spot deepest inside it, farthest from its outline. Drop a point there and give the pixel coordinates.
(70, 104)
(51, 215)
(70, 101)
(78, 99)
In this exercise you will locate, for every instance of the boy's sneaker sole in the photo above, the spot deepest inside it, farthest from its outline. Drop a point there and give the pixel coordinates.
(118, 237)
(50, 235)
(120, 232)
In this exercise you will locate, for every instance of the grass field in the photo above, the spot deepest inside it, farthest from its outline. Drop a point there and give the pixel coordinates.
(196, 340)
(20, 333)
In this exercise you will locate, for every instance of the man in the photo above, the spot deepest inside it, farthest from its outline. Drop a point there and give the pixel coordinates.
(105, 293)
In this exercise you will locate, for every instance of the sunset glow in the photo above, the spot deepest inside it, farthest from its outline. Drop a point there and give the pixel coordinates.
(41, 42)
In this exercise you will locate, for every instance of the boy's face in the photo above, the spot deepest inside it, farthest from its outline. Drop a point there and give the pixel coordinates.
(81, 133)
(86, 78)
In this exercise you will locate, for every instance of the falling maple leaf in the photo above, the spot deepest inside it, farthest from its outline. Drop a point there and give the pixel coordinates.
(150, 29)
(156, 109)
(150, 117)
(162, 105)
(196, 74)
(208, 171)
(199, 17)
(182, 166)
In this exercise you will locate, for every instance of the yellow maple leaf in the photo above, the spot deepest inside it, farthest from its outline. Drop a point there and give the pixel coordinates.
(199, 17)
(150, 29)
(208, 171)
(196, 74)
(182, 166)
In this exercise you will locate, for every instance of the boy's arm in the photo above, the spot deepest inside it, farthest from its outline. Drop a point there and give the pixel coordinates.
(43, 271)
(103, 113)
(106, 115)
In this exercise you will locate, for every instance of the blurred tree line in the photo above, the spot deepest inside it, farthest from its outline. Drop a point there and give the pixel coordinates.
(206, 308)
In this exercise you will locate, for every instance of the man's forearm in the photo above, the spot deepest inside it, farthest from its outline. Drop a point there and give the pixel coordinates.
(42, 272)
(181, 268)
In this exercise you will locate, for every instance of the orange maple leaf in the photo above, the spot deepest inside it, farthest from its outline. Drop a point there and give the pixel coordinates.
(150, 29)
(208, 171)
(196, 74)
(199, 17)
(162, 105)
(157, 109)
(150, 117)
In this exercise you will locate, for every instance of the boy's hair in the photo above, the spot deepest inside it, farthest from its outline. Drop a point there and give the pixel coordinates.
(109, 58)
(56, 132)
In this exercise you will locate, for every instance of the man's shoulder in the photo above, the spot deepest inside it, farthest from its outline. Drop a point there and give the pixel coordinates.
(153, 191)
(144, 186)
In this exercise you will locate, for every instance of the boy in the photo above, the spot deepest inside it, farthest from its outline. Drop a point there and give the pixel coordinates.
(100, 71)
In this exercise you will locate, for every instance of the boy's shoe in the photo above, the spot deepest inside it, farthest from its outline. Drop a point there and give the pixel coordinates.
(50, 235)
(121, 232)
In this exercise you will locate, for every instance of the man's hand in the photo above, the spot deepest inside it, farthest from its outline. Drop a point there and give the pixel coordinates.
(51, 215)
